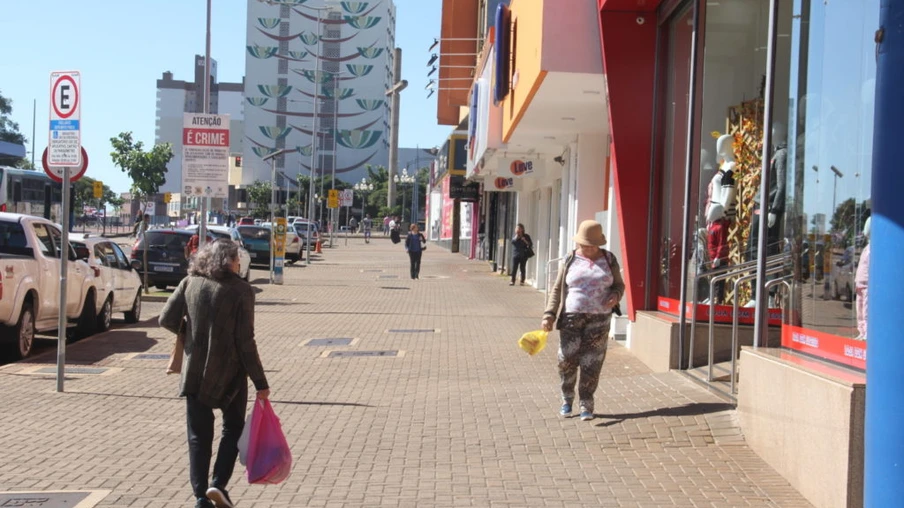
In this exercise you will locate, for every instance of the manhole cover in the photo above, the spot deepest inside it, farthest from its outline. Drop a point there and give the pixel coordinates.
(343, 341)
(389, 287)
(371, 271)
(151, 356)
(69, 370)
(388, 277)
(58, 499)
(342, 354)
(413, 330)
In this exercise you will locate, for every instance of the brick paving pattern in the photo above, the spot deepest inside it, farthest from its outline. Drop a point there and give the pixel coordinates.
(462, 418)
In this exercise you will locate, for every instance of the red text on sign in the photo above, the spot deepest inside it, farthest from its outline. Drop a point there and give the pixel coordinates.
(205, 137)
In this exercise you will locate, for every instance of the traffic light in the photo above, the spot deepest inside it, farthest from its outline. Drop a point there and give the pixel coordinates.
(98, 189)
(167, 197)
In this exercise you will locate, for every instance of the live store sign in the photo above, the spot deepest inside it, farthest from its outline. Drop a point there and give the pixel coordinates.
(64, 145)
(205, 155)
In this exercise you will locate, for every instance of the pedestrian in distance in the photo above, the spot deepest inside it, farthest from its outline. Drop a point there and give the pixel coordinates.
(385, 225)
(368, 225)
(415, 244)
(522, 250)
(353, 225)
(220, 354)
(395, 230)
(581, 303)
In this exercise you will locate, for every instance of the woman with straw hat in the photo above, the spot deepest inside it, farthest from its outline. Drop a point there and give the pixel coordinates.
(587, 289)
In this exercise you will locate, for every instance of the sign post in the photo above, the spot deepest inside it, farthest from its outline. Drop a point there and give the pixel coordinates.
(64, 151)
(279, 249)
(346, 198)
(205, 160)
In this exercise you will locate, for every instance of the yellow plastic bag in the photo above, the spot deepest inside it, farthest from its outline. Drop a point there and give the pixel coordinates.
(533, 342)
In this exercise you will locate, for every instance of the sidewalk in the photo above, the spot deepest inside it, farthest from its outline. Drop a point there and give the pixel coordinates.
(461, 417)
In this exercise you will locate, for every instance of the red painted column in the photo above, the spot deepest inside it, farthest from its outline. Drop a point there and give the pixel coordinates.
(629, 60)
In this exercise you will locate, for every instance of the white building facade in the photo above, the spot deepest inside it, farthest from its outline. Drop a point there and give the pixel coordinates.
(316, 75)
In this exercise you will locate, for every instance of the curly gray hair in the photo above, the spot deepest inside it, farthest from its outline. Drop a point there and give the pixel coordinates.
(215, 259)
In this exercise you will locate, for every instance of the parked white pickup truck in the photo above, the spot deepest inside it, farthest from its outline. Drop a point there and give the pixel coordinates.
(30, 250)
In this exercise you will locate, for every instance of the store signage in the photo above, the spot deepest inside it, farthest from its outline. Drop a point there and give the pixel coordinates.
(205, 155)
(504, 184)
(461, 189)
(723, 313)
(458, 154)
(838, 349)
(503, 53)
(487, 121)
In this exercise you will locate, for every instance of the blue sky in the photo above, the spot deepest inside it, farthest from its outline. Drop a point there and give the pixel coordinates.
(122, 48)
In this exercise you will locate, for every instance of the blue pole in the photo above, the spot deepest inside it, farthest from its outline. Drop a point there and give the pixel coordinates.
(884, 435)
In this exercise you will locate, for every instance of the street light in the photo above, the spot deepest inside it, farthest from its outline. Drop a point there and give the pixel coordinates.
(404, 178)
(364, 187)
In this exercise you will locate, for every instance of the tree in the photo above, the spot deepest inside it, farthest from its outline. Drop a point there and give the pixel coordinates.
(147, 170)
(9, 130)
(259, 194)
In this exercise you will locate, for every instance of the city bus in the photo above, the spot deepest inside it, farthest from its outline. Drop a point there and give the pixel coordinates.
(31, 193)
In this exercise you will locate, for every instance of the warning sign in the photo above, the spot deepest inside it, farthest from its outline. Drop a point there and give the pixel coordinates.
(205, 155)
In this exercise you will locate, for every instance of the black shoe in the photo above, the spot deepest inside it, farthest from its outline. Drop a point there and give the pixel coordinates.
(219, 497)
(203, 502)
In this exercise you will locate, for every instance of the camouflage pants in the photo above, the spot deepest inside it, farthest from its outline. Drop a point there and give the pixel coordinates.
(583, 339)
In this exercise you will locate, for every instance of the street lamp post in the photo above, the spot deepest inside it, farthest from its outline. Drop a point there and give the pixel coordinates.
(364, 187)
(393, 92)
(404, 178)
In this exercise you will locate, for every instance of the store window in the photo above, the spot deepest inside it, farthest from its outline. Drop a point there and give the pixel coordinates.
(832, 87)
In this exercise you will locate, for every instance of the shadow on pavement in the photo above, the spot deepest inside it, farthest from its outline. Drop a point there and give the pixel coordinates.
(103, 346)
(250, 401)
(694, 409)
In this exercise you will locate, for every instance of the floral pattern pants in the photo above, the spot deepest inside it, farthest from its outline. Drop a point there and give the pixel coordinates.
(583, 339)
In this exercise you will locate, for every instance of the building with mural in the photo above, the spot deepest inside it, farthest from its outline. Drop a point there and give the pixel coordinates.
(316, 75)
(175, 98)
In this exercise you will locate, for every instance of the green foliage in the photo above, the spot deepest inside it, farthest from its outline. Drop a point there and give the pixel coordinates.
(9, 130)
(259, 194)
(83, 195)
(146, 169)
(25, 164)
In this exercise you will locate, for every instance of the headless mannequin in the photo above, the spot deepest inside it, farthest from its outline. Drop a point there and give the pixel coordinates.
(775, 206)
(722, 208)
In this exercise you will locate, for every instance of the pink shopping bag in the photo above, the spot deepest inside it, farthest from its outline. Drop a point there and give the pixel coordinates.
(269, 457)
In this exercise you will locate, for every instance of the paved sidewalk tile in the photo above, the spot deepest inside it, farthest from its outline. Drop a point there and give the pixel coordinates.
(462, 418)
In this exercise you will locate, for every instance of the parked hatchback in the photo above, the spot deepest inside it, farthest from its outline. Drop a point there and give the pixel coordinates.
(257, 242)
(117, 282)
(167, 265)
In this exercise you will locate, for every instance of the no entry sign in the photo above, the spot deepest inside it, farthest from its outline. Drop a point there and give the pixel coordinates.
(205, 155)
(64, 145)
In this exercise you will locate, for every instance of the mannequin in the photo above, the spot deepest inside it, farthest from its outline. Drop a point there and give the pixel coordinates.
(722, 210)
(861, 283)
(775, 207)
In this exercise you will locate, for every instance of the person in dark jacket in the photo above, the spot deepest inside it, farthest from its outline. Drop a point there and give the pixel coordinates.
(220, 354)
(522, 250)
(415, 243)
(587, 290)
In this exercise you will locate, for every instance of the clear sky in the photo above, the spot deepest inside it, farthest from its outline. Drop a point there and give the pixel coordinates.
(122, 48)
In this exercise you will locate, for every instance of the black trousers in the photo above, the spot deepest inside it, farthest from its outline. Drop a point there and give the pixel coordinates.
(415, 258)
(519, 261)
(200, 441)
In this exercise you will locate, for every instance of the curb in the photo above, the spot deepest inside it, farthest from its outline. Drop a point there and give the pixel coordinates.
(153, 298)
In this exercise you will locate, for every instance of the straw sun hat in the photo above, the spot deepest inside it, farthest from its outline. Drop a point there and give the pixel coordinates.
(590, 232)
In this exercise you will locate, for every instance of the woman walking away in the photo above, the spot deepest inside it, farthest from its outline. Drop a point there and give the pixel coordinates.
(220, 356)
(587, 289)
(523, 249)
(415, 243)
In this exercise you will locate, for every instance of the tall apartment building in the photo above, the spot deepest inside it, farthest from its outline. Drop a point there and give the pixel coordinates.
(176, 97)
(354, 41)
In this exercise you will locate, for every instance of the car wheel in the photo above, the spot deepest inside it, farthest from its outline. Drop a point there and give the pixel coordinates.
(23, 333)
(133, 315)
(160, 287)
(87, 320)
(106, 315)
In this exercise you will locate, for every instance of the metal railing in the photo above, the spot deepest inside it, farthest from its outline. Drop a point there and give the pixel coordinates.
(716, 275)
(774, 270)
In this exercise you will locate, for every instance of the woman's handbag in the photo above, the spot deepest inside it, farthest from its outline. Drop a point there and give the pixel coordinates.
(530, 252)
(423, 243)
(175, 362)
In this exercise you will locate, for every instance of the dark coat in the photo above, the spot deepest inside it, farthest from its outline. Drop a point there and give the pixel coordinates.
(220, 351)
